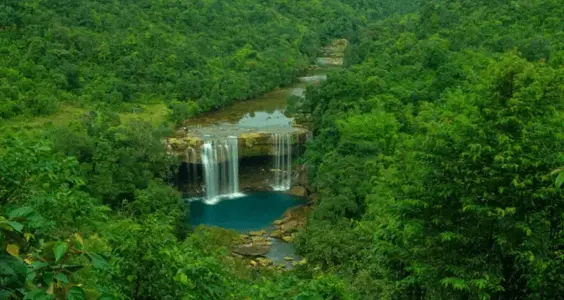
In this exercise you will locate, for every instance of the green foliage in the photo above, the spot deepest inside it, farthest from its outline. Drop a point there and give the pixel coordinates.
(203, 53)
(117, 159)
(33, 267)
(439, 153)
(182, 111)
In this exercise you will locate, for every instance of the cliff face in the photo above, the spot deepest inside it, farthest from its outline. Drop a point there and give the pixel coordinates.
(333, 54)
(252, 143)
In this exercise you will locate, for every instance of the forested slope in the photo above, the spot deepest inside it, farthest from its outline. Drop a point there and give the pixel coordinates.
(437, 155)
(200, 53)
(87, 211)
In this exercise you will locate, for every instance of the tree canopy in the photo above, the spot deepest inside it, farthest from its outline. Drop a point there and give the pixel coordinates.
(436, 155)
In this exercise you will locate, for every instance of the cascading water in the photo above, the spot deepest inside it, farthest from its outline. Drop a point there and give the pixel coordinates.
(282, 161)
(220, 159)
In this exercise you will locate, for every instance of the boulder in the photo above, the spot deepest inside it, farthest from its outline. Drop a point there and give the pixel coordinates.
(279, 222)
(298, 191)
(288, 258)
(259, 240)
(253, 263)
(290, 226)
(264, 262)
(251, 250)
(288, 238)
(277, 233)
(257, 233)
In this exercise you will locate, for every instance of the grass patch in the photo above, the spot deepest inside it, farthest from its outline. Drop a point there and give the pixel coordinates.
(155, 113)
(64, 114)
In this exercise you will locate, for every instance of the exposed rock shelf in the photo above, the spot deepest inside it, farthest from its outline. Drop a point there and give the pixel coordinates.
(252, 142)
(333, 54)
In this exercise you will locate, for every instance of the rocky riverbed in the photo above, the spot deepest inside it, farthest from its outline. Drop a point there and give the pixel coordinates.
(256, 246)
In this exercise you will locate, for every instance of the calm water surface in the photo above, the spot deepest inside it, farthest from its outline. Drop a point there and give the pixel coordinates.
(253, 211)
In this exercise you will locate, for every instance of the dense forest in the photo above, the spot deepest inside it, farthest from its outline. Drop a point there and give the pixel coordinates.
(194, 55)
(438, 155)
(438, 151)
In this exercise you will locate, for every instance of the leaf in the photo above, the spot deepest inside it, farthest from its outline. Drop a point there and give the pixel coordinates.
(12, 271)
(37, 265)
(70, 268)
(59, 250)
(181, 278)
(48, 278)
(79, 239)
(28, 236)
(22, 212)
(5, 294)
(62, 278)
(13, 249)
(75, 293)
(15, 225)
(456, 283)
(37, 295)
(559, 180)
(106, 297)
(98, 261)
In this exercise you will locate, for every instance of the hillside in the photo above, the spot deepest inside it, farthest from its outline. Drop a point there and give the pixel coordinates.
(436, 155)
(192, 55)
(436, 163)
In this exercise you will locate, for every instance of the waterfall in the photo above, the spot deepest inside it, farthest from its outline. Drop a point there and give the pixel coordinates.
(282, 161)
(220, 159)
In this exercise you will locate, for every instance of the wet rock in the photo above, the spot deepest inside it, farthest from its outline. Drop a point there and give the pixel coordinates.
(290, 226)
(298, 191)
(279, 222)
(257, 233)
(288, 238)
(251, 250)
(301, 176)
(288, 258)
(264, 262)
(259, 240)
(277, 233)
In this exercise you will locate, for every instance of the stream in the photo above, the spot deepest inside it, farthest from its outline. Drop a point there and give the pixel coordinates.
(223, 134)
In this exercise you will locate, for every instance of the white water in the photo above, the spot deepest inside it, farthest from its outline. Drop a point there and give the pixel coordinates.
(282, 161)
(220, 159)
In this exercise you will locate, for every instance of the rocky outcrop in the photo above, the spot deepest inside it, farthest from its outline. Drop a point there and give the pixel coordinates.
(333, 54)
(299, 191)
(187, 145)
(254, 244)
(251, 250)
(294, 219)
